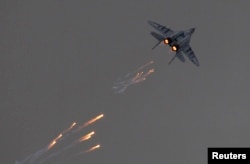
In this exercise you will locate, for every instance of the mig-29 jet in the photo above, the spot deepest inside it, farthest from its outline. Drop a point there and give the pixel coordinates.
(177, 40)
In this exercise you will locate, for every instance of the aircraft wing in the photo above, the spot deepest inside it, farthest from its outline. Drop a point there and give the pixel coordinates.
(162, 29)
(187, 50)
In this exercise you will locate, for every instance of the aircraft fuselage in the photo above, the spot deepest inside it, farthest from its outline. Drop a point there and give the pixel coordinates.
(177, 40)
(180, 38)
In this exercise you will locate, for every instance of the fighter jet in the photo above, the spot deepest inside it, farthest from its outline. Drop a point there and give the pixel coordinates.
(177, 40)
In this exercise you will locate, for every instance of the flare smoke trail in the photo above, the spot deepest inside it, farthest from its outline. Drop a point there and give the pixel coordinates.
(31, 158)
(40, 156)
(134, 77)
(81, 139)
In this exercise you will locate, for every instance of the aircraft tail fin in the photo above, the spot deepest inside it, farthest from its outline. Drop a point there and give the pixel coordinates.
(179, 56)
(159, 37)
(156, 45)
(171, 60)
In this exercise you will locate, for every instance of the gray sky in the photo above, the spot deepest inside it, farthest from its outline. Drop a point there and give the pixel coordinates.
(59, 60)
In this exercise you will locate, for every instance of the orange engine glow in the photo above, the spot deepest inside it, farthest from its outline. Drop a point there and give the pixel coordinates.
(174, 48)
(166, 41)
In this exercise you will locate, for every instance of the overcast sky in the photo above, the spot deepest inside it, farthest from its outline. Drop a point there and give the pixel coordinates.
(60, 59)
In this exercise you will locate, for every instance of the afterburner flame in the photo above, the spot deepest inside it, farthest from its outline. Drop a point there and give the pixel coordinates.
(174, 48)
(166, 41)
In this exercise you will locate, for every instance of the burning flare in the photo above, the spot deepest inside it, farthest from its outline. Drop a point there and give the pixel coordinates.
(93, 120)
(54, 141)
(93, 148)
(51, 144)
(86, 137)
(141, 76)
